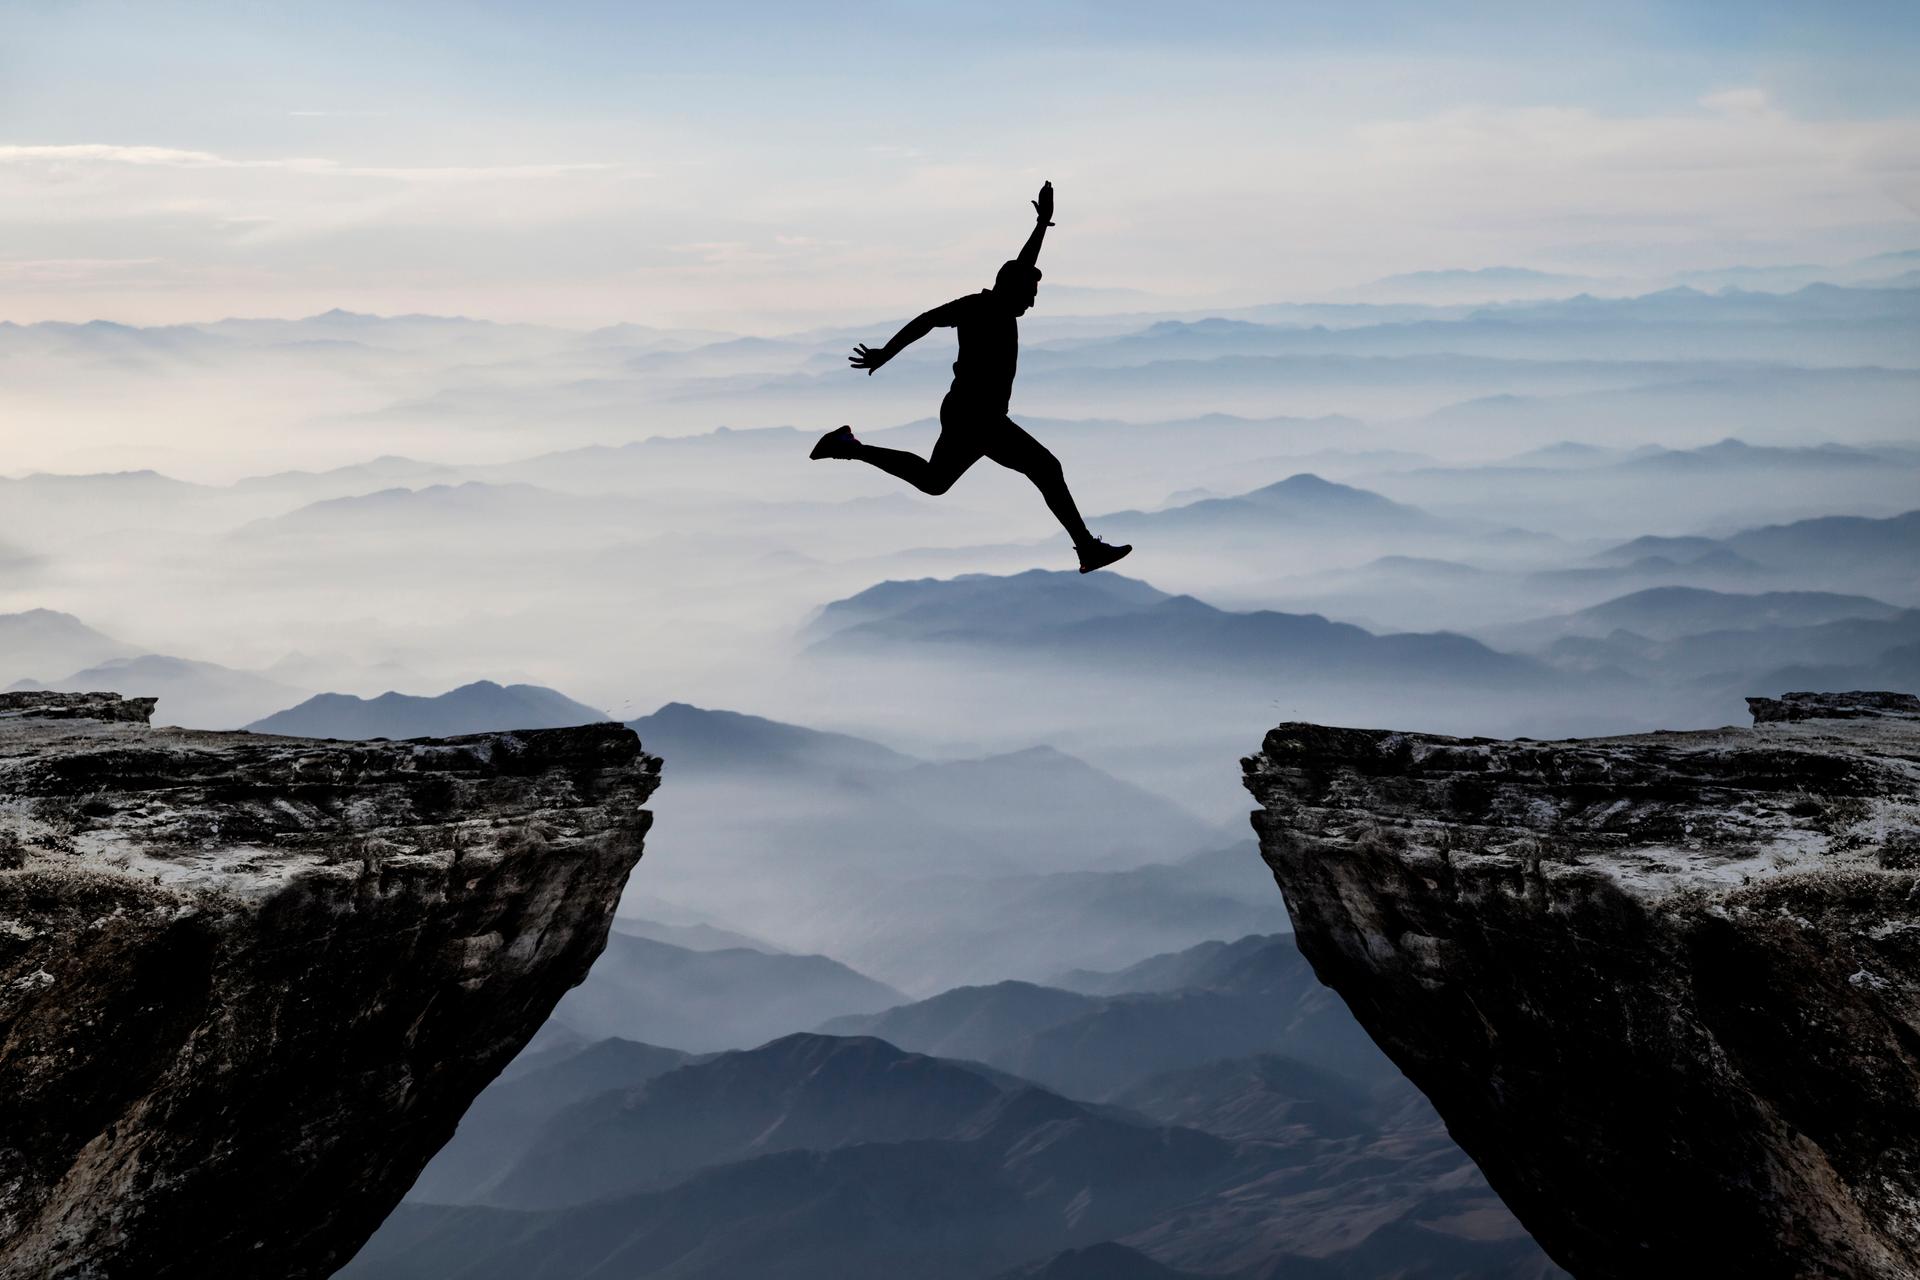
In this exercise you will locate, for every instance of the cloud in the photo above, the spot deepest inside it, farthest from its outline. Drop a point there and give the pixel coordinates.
(177, 158)
(61, 271)
(1737, 102)
(1246, 199)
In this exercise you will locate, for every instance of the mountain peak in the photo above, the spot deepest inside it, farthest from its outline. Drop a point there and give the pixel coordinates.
(1307, 484)
(481, 706)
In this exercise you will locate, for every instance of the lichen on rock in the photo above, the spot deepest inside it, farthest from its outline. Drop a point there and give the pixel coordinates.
(1665, 989)
(248, 984)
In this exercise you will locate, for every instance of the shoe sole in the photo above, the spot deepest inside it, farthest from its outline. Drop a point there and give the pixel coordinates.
(1093, 568)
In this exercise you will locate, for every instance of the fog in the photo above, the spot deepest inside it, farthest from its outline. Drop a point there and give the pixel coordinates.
(238, 515)
(913, 761)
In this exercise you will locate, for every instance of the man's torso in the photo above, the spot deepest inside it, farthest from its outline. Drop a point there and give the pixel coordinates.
(989, 350)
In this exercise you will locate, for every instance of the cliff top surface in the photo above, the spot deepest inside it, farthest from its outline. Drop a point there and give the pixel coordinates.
(1821, 783)
(89, 788)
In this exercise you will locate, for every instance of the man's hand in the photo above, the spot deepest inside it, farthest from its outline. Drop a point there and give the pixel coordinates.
(868, 358)
(1043, 207)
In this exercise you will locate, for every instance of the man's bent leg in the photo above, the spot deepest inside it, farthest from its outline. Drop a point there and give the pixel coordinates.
(1011, 446)
(934, 474)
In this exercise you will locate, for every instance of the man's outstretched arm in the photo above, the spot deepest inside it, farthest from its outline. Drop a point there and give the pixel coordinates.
(1043, 218)
(871, 358)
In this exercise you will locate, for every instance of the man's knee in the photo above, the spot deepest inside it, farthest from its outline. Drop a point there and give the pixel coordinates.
(938, 482)
(1044, 468)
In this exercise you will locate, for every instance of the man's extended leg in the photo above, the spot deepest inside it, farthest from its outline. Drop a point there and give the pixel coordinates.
(1011, 446)
(934, 474)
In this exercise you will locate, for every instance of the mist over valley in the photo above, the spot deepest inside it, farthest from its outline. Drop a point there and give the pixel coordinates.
(950, 902)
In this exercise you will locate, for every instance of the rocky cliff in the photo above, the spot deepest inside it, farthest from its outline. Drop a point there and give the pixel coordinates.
(1665, 989)
(248, 984)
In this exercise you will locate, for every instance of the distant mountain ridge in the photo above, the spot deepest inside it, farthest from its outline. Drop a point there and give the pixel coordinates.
(1013, 1174)
(1206, 965)
(800, 1091)
(193, 694)
(1872, 552)
(514, 1112)
(42, 643)
(872, 812)
(708, 1001)
(1123, 622)
(940, 1170)
(1300, 502)
(958, 928)
(1733, 454)
(479, 707)
(697, 738)
(816, 1156)
(1673, 613)
(1251, 997)
(1809, 543)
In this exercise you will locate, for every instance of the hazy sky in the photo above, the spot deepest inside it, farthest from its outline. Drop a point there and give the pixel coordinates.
(775, 166)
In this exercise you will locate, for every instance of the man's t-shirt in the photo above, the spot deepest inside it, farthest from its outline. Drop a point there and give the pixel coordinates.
(989, 347)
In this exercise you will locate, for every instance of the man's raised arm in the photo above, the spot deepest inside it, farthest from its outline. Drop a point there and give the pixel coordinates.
(1043, 214)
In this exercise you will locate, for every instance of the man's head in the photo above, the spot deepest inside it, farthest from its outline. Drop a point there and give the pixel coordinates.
(1017, 284)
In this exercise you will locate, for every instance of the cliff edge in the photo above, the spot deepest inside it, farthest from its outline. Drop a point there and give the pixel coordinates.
(248, 984)
(1665, 989)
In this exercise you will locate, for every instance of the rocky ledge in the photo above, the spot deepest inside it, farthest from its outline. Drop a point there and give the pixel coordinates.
(248, 984)
(1665, 989)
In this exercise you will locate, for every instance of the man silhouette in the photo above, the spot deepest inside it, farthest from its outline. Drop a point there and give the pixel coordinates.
(973, 417)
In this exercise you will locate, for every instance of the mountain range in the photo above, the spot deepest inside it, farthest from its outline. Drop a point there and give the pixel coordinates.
(479, 707)
(699, 740)
(1672, 613)
(990, 1178)
(1833, 542)
(710, 1000)
(516, 1111)
(1122, 623)
(193, 694)
(934, 930)
(38, 643)
(852, 806)
(799, 1092)
(816, 1156)
(1252, 998)
(1303, 504)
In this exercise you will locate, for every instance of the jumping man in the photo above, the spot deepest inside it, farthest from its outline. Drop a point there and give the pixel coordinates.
(973, 418)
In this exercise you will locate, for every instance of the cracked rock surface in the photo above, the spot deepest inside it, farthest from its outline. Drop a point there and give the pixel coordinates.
(1665, 988)
(248, 984)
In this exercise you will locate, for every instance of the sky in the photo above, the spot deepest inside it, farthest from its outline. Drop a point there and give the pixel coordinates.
(773, 167)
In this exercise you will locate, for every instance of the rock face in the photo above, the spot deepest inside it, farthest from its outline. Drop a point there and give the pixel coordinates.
(249, 984)
(1664, 989)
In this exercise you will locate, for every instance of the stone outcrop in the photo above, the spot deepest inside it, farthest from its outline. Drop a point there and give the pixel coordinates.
(248, 984)
(1665, 989)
